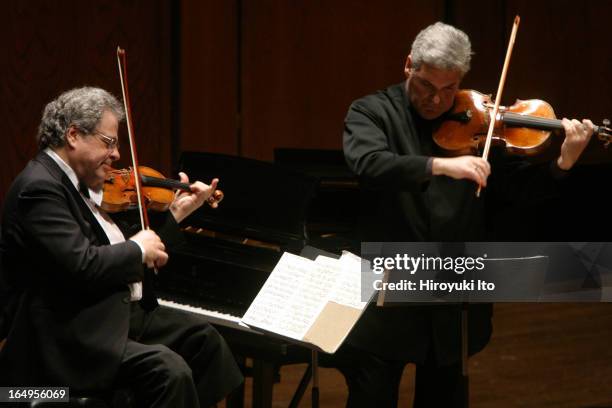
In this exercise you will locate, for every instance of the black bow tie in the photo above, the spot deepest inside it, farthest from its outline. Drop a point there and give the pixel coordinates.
(84, 189)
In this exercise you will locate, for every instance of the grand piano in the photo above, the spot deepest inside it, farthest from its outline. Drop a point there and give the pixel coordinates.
(269, 208)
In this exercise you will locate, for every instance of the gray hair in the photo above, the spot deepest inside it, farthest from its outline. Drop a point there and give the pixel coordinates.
(442, 46)
(81, 107)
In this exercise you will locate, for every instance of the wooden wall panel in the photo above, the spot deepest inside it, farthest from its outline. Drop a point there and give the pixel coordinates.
(562, 52)
(209, 76)
(488, 32)
(284, 71)
(303, 63)
(562, 55)
(50, 47)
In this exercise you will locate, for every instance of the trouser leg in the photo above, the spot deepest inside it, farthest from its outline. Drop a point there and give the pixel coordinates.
(371, 381)
(214, 369)
(438, 386)
(158, 377)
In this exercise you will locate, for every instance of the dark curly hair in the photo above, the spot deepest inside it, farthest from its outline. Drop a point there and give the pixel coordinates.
(81, 107)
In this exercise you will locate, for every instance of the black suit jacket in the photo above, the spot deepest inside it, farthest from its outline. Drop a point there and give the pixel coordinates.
(70, 303)
(387, 145)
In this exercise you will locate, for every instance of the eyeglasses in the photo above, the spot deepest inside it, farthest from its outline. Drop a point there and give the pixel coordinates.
(430, 91)
(111, 142)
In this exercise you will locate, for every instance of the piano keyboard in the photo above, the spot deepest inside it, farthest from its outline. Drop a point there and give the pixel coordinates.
(213, 316)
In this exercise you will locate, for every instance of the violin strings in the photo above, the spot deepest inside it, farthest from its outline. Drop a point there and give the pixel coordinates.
(516, 119)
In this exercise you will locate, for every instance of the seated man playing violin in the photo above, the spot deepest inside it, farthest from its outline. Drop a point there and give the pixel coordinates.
(83, 313)
(419, 195)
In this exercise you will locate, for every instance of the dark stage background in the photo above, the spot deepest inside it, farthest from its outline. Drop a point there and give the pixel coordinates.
(245, 76)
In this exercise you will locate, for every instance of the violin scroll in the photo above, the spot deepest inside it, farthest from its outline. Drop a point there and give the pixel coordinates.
(216, 197)
(604, 132)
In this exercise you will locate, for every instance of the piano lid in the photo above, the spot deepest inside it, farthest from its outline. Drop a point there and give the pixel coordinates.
(334, 212)
(324, 164)
(262, 200)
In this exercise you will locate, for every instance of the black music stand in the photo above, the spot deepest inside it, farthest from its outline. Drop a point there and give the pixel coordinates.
(315, 379)
(312, 372)
(465, 380)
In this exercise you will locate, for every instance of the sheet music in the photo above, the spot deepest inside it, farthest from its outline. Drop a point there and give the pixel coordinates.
(347, 290)
(292, 297)
(298, 290)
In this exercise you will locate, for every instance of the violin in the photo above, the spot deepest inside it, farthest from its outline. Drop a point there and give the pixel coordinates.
(523, 128)
(158, 191)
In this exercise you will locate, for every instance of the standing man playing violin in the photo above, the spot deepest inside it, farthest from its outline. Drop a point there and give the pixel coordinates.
(80, 316)
(422, 197)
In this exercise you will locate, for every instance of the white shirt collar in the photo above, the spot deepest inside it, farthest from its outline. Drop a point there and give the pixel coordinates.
(95, 196)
